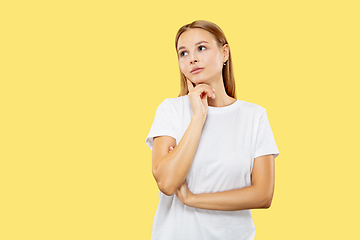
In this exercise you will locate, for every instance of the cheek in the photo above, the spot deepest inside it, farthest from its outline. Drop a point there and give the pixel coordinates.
(212, 59)
(214, 63)
(217, 63)
(182, 66)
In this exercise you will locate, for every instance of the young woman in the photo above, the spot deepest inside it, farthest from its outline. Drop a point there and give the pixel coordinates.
(212, 154)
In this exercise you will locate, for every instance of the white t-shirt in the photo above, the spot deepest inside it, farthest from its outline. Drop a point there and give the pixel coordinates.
(232, 137)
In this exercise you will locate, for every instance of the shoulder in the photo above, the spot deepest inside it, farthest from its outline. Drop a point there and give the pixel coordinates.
(174, 106)
(177, 102)
(253, 108)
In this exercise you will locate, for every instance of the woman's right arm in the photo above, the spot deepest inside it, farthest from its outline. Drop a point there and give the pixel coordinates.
(171, 168)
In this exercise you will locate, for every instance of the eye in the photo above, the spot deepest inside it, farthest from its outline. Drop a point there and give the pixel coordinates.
(181, 54)
(202, 46)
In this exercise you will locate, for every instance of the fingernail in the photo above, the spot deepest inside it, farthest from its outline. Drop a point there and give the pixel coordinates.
(214, 89)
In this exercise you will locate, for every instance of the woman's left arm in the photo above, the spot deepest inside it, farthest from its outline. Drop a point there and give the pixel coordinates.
(258, 195)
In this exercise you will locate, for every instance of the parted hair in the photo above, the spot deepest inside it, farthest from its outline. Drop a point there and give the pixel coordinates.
(227, 71)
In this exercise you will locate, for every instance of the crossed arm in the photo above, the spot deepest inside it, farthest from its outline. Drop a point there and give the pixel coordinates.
(258, 195)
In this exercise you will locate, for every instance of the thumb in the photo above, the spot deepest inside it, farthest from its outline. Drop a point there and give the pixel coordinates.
(189, 84)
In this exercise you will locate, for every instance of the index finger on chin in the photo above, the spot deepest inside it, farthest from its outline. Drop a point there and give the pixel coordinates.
(189, 84)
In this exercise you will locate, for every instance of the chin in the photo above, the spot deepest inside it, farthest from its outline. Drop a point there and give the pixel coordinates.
(198, 81)
(201, 82)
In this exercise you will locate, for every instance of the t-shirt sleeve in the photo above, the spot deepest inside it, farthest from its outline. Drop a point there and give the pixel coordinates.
(162, 125)
(265, 141)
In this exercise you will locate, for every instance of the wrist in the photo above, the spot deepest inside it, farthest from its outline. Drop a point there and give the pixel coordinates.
(198, 118)
(192, 200)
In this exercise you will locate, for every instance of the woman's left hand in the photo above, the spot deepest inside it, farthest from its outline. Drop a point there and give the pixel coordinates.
(183, 192)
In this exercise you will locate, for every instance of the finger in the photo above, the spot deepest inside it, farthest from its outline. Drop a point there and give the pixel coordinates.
(189, 85)
(207, 85)
(208, 91)
(212, 92)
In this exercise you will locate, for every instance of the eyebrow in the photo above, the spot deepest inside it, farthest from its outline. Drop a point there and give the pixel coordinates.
(195, 44)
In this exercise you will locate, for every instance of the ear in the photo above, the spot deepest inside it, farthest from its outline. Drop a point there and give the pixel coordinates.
(226, 51)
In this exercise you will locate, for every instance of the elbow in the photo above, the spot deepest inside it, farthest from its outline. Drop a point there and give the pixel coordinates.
(266, 196)
(164, 185)
(266, 203)
(166, 190)
(169, 194)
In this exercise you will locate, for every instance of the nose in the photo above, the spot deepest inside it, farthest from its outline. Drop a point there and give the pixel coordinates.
(193, 59)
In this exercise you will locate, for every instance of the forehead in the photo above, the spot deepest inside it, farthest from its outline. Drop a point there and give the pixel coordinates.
(192, 36)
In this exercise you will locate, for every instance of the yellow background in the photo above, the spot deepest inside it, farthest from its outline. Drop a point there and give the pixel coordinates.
(80, 83)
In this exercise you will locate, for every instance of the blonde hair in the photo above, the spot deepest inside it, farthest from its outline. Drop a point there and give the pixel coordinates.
(227, 72)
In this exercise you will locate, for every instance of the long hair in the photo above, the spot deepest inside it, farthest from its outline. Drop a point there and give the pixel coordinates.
(227, 71)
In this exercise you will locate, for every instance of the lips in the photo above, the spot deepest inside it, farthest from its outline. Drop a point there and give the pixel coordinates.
(195, 70)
